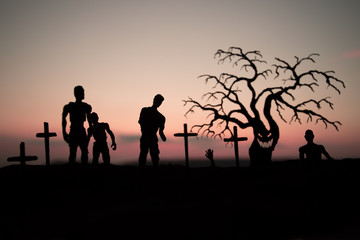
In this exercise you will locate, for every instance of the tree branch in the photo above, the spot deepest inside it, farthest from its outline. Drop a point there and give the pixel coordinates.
(217, 113)
(308, 112)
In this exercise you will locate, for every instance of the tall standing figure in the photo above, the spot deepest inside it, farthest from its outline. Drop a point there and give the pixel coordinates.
(79, 112)
(151, 120)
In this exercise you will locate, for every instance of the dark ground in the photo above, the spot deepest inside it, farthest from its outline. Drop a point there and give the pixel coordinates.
(173, 202)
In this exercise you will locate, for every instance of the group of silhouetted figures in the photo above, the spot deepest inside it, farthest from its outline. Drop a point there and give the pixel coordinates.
(151, 122)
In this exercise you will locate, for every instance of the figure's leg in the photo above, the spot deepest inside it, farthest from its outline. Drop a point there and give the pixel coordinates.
(72, 156)
(96, 154)
(154, 153)
(84, 154)
(105, 154)
(84, 147)
(143, 153)
(72, 147)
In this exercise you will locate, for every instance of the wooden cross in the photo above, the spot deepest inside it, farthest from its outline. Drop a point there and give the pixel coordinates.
(22, 158)
(46, 135)
(185, 134)
(235, 139)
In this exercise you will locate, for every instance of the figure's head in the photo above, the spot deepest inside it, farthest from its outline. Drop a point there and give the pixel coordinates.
(309, 135)
(158, 99)
(79, 93)
(94, 117)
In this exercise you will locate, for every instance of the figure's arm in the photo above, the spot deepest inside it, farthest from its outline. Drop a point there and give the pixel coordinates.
(64, 123)
(301, 154)
(112, 136)
(89, 130)
(210, 155)
(141, 116)
(161, 131)
(162, 135)
(326, 154)
(88, 117)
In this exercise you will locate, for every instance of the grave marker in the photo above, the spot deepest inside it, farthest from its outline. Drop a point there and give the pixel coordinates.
(185, 134)
(235, 139)
(46, 135)
(22, 158)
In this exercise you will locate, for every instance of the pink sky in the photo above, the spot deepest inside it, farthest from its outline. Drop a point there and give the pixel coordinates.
(352, 54)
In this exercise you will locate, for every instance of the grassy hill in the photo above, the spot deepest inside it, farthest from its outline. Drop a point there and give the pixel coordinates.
(281, 201)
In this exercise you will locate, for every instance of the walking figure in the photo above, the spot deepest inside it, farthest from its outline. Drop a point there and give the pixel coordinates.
(151, 120)
(98, 131)
(311, 153)
(79, 112)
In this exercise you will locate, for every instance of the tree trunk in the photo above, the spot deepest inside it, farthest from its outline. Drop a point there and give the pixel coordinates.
(265, 141)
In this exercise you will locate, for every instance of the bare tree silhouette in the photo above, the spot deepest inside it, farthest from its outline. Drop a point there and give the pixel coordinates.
(229, 102)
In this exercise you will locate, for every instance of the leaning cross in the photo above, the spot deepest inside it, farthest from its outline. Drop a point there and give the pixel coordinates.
(22, 158)
(186, 135)
(235, 139)
(46, 135)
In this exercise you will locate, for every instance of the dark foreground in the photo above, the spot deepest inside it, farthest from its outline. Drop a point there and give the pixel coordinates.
(174, 202)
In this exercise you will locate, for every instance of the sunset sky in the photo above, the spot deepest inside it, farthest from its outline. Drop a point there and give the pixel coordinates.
(125, 52)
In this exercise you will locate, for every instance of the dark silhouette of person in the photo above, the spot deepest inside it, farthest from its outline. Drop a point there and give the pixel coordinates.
(311, 153)
(151, 120)
(79, 112)
(98, 131)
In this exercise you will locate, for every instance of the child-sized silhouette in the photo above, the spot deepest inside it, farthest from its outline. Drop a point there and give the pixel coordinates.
(79, 111)
(311, 153)
(151, 120)
(98, 131)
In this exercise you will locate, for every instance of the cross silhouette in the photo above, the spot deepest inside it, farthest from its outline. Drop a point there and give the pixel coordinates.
(235, 139)
(185, 134)
(22, 158)
(46, 135)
